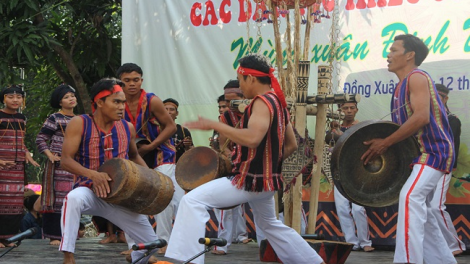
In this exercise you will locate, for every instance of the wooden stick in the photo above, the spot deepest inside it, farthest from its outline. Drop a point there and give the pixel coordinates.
(324, 75)
(300, 125)
(277, 40)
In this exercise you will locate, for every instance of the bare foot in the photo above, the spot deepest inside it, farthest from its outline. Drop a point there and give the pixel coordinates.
(162, 251)
(4, 245)
(110, 239)
(126, 252)
(218, 252)
(68, 258)
(153, 260)
(246, 241)
(54, 242)
(368, 249)
(457, 252)
(121, 238)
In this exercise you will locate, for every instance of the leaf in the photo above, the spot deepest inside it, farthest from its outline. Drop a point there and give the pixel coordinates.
(456, 188)
(31, 4)
(29, 54)
(13, 4)
(463, 162)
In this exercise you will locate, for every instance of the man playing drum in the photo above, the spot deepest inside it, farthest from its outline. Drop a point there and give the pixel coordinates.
(265, 136)
(232, 224)
(89, 141)
(419, 111)
(153, 123)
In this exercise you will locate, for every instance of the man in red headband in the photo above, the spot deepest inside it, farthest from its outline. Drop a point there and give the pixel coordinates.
(89, 141)
(232, 224)
(263, 140)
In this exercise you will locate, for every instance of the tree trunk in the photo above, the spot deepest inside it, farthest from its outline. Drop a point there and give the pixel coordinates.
(76, 76)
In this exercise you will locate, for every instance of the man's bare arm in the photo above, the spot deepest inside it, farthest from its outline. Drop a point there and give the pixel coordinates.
(72, 139)
(133, 153)
(290, 143)
(250, 137)
(420, 104)
(167, 124)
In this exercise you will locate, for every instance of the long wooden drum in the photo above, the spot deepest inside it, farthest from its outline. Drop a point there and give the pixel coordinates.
(137, 188)
(200, 165)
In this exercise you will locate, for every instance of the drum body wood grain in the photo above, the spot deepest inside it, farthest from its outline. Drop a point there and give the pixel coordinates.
(137, 188)
(200, 165)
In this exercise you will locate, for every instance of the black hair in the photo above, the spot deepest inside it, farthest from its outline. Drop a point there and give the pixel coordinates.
(104, 84)
(233, 84)
(59, 93)
(171, 100)
(16, 88)
(442, 88)
(257, 62)
(29, 201)
(339, 105)
(221, 98)
(128, 68)
(413, 43)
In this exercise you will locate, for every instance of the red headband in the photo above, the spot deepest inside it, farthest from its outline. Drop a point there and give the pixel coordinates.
(274, 83)
(116, 89)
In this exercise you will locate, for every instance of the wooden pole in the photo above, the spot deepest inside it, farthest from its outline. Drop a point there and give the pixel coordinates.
(300, 125)
(324, 75)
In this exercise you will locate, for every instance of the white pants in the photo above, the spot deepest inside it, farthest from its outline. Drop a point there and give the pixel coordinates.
(82, 200)
(418, 238)
(232, 226)
(165, 218)
(303, 220)
(192, 217)
(351, 217)
(444, 221)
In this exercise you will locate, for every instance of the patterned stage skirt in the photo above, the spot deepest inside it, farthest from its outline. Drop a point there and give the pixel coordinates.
(63, 183)
(11, 199)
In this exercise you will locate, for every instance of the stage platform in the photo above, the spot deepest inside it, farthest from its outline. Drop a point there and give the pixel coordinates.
(88, 251)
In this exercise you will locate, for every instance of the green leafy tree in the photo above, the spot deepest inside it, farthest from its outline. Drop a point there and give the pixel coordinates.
(44, 43)
(79, 40)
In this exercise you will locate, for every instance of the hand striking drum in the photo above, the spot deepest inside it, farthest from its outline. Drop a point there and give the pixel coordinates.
(89, 141)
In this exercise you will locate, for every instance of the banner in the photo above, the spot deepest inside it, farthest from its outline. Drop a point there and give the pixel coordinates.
(189, 50)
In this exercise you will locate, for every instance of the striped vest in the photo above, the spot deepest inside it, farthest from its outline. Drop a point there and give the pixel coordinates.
(97, 146)
(259, 169)
(435, 139)
(148, 127)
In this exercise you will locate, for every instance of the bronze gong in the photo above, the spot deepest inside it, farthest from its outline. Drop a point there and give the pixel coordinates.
(378, 183)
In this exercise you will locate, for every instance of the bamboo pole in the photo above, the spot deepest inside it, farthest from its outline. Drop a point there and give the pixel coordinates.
(324, 75)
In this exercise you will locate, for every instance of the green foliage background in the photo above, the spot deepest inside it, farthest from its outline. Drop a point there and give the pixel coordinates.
(44, 43)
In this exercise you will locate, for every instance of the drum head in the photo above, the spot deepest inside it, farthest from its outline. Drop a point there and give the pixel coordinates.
(378, 183)
(196, 167)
